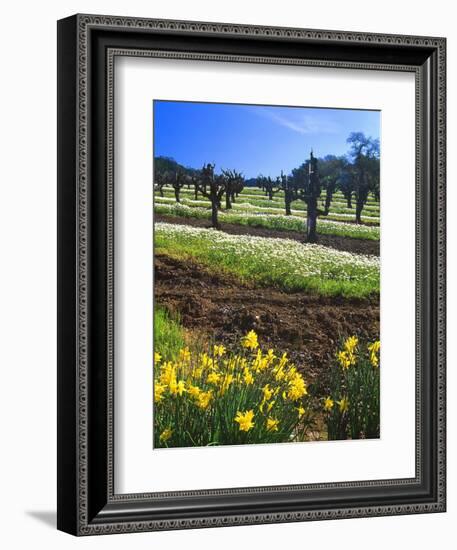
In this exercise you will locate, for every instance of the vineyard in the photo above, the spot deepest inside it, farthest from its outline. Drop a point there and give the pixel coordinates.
(266, 304)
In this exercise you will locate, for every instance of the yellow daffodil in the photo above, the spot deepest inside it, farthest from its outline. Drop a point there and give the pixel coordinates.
(291, 373)
(283, 361)
(344, 359)
(231, 364)
(350, 344)
(297, 388)
(279, 374)
(204, 399)
(250, 340)
(157, 357)
(228, 379)
(259, 362)
(301, 411)
(159, 390)
(184, 355)
(193, 391)
(197, 372)
(219, 351)
(270, 356)
(165, 435)
(344, 404)
(206, 361)
(177, 388)
(245, 420)
(279, 370)
(267, 392)
(347, 356)
(374, 353)
(167, 373)
(328, 403)
(272, 424)
(247, 376)
(269, 405)
(213, 378)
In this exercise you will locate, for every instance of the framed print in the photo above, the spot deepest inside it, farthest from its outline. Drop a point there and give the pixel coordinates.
(251, 274)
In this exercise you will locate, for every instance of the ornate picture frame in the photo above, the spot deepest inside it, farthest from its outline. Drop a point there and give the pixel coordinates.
(87, 47)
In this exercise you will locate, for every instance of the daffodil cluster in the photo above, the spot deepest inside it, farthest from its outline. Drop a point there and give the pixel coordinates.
(352, 407)
(217, 397)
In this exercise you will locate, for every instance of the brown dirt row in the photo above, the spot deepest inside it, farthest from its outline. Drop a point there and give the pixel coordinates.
(308, 327)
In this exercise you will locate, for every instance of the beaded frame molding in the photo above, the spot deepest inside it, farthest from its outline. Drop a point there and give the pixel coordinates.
(87, 48)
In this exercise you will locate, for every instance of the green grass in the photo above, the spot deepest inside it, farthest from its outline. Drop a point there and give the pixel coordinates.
(337, 196)
(338, 206)
(271, 221)
(257, 207)
(281, 263)
(168, 333)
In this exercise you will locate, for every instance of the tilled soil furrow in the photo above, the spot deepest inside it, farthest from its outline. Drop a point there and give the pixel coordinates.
(308, 327)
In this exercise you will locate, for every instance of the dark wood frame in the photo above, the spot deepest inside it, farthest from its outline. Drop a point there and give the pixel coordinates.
(87, 46)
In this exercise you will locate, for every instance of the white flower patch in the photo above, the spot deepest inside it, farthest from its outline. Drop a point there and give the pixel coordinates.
(303, 260)
(274, 206)
(275, 221)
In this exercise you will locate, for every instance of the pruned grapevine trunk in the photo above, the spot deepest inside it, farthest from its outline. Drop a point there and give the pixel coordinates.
(287, 202)
(214, 216)
(328, 201)
(358, 211)
(311, 222)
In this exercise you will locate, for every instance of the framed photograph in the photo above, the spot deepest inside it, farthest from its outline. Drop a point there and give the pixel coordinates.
(251, 274)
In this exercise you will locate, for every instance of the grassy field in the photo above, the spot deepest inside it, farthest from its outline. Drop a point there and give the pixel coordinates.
(314, 307)
(281, 263)
(254, 208)
(248, 200)
(168, 333)
(271, 221)
(257, 192)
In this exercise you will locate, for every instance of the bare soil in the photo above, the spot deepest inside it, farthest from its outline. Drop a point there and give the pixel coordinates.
(308, 327)
(347, 244)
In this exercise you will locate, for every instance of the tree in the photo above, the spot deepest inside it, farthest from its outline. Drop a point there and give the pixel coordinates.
(365, 155)
(165, 164)
(287, 185)
(268, 185)
(308, 189)
(160, 180)
(169, 172)
(331, 170)
(234, 183)
(346, 185)
(212, 187)
(178, 182)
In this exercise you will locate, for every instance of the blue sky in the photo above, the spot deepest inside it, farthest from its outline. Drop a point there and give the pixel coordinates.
(254, 139)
